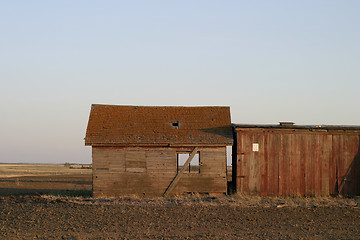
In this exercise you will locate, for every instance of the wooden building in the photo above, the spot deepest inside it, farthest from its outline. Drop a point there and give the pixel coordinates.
(156, 151)
(291, 160)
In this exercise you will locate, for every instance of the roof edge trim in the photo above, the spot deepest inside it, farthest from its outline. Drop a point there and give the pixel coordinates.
(273, 126)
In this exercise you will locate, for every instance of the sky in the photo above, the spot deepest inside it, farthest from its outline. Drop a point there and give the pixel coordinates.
(269, 61)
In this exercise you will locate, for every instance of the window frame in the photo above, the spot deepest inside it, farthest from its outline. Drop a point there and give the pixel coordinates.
(191, 164)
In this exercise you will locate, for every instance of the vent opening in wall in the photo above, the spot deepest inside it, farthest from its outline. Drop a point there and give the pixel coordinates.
(175, 125)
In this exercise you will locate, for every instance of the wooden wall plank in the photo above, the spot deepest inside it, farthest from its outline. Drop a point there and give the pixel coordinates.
(295, 167)
(264, 178)
(292, 166)
(245, 162)
(255, 164)
(272, 175)
(317, 158)
(341, 165)
(356, 167)
(281, 166)
(112, 178)
(286, 164)
(337, 160)
(302, 160)
(353, 157)
(332, 167)
(276, 159)
(251, 160)
(311, 173)
(284, 168)
(307, 157)
(326, 159)
(349, 164)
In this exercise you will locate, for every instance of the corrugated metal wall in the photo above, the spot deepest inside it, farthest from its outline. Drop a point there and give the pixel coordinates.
(296, 162)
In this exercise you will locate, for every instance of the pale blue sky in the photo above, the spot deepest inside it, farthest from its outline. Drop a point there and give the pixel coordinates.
(269, 61)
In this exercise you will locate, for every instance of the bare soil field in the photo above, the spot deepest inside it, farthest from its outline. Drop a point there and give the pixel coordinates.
(54, 202)
(51, 217)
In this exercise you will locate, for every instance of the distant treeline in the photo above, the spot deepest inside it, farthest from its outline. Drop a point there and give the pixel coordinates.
(77, 166)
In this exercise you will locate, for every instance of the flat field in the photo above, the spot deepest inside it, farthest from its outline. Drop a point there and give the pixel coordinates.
(51, 217)
(31, 178)
(38, 202)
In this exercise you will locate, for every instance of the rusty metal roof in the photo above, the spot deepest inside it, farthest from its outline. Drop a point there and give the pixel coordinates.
(166, 126)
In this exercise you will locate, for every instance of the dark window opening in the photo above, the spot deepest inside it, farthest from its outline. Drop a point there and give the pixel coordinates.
(193, 166)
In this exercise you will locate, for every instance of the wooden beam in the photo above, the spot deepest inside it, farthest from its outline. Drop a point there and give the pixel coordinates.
(179, 174)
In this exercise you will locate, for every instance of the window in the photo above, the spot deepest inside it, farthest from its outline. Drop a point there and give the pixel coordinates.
(194, 165)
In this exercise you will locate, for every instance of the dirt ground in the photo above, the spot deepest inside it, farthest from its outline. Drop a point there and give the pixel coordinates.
(235, 217)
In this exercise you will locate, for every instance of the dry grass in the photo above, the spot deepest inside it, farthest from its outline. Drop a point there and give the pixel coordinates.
(231, 201)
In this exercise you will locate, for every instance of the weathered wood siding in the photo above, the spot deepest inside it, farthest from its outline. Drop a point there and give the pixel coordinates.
(296, 162)
(148, 171)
